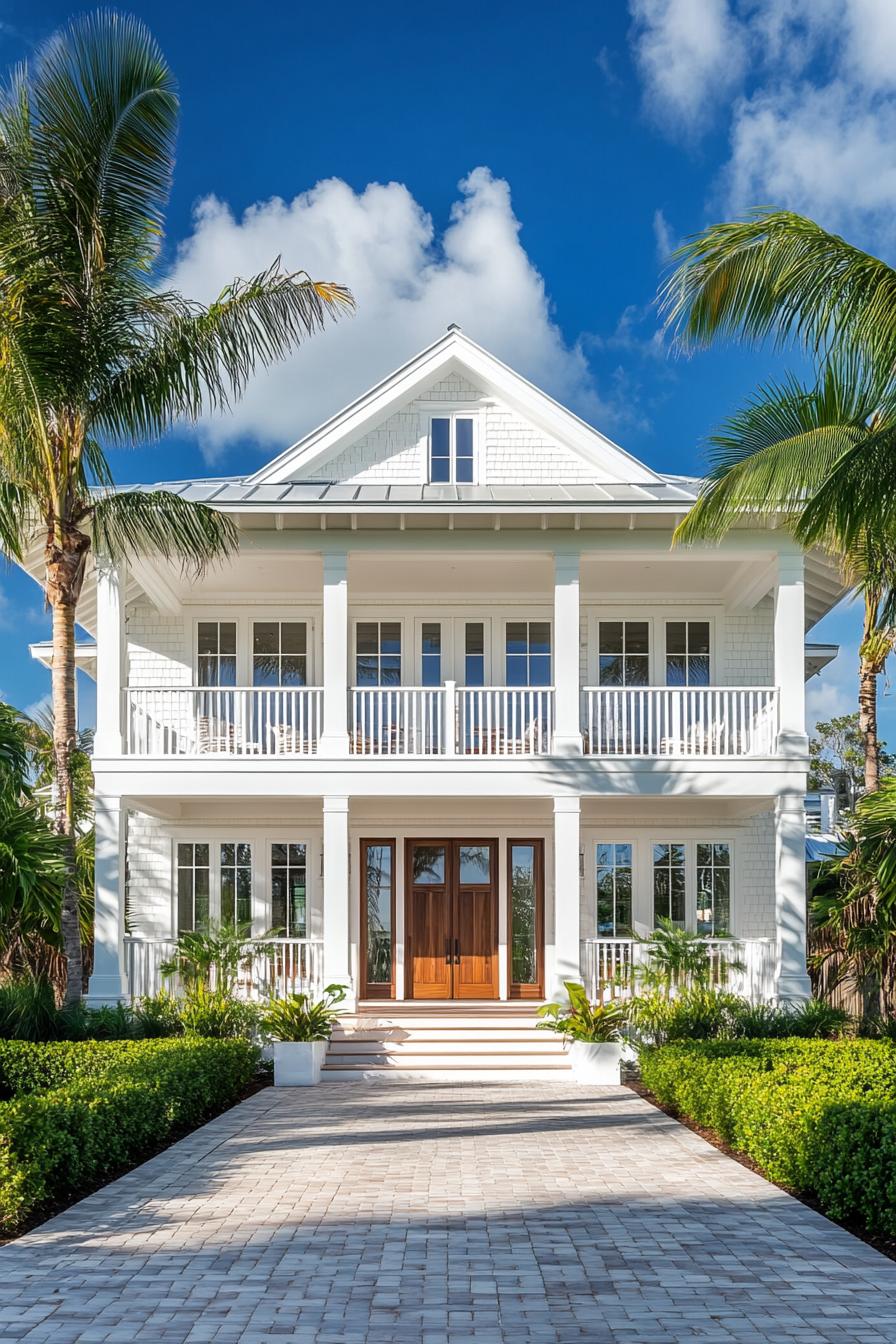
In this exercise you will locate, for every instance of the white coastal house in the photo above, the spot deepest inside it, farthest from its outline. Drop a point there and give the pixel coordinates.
(457, 719)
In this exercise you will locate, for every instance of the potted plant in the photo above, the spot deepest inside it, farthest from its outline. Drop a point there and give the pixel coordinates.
(300, 1028)
(594, 1032)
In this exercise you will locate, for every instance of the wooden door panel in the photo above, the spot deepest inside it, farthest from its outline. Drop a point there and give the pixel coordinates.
(430, 943)
(476, 941)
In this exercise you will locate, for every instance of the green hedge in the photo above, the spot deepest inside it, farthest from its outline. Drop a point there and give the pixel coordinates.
(816, 1116)
(104, 1105)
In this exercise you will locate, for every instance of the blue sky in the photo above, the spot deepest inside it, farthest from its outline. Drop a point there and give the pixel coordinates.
(519, 168)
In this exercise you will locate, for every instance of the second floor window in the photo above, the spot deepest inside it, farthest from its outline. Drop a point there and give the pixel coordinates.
(378, 653)
(528, 653)
(451, 450)
(279, 653)
(216, 653)
(687, 653)
(431, 654)
(623, 657)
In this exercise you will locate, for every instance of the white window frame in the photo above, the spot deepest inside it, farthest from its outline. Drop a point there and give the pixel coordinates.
(244, 618)
(690, 619)
(657, 616)
(527, 619)
(261, 839)
(642, 841)
(452, 414)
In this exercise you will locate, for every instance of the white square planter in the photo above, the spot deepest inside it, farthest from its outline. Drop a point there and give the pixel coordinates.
(596, 1062)
(298, 1063)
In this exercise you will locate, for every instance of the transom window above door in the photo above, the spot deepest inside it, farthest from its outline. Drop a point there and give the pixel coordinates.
(451, 453)
(623, 657)
(687, 653)
(378, 653)
(528, 653)
(279, 653)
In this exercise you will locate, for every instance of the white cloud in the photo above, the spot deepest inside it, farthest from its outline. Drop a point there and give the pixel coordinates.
(409, 285)
(871, 42)
(690, 53)
(665, 241)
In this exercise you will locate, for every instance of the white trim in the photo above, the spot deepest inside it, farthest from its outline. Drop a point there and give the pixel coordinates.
(452, 412)
(244, 616)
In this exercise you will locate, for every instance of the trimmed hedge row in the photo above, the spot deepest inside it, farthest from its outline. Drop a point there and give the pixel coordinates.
(816, 1116)
(105, 1105)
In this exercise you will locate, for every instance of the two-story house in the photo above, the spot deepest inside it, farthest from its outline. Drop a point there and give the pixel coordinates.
(458, 719)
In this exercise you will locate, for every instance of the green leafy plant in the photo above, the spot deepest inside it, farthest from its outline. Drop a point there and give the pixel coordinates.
(677, 958)
(28, 1009)
(109, 1022)
(302, 1018)
(819, 1019)
(582, 1020)
(695, 1013)
(158, 1016)
(214, 954)
(217, 1013)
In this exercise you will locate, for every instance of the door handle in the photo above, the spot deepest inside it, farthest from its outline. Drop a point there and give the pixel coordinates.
(457, 951)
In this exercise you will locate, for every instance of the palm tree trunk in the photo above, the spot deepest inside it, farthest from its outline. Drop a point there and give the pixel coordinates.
(64, 565)
(868, 723)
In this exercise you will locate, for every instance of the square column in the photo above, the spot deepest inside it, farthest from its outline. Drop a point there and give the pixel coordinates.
(337, 967)
(567, 716)
(334, 738)
(791, 978)
(110, 663)
(790, 654)
(108, 983)
(567, 935)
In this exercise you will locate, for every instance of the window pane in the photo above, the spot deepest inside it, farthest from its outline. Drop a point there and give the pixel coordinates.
(611, 670)
(293, 637)
(463, 471)
(637, 639)
(367, 637)
(475, 864)
(227, 672)
(201, 856)
(184, 898)
(463, 438)
(675, 637)
(624, 855)
(201, 890)
(278, 899)
(636, 671)
(539, 637)
(704, 855)
(517, 637)
(440, 471)
(293, 670)
(265, 637)
(378, 869)
(207, 637)
(523, 915)
(429, 865)
(609, 637)
(296, 854)
(390, 637)
(432, 637)
(517, 670)
(244, 896)
(614, 889)
(540, 670)
(228, 887)
(184, 856)
(698, 637)
(698, 671)
(474, 637)
(228, 853)
(227, 636)
(676, 674)
(440, 438)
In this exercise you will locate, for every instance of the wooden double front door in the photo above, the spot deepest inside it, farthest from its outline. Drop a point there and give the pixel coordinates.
(452, 919)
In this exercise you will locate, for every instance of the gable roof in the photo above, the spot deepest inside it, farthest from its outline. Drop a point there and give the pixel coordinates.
(453, 353)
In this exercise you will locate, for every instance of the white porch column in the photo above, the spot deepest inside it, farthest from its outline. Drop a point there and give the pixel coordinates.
(567, 950)
(110, 660)
(567, 715)
(108, 982)
(790, 653)
(334, 738)
(791, 978)
(337, 968)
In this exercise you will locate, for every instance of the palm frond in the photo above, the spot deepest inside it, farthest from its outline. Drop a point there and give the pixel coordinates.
(780, 274)
(856, 497)
(16, 507)
(195, 358)
(135, 521)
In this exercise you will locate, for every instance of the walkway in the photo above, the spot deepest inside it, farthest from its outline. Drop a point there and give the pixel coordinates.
(531, 1213)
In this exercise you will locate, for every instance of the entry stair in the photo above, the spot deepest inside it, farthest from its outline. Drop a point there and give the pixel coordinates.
(457, 1041)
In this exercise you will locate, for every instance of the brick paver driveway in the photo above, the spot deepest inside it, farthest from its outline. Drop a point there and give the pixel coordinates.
(428, 1212)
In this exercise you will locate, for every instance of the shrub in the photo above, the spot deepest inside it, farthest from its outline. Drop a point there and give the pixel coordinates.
(301, 1018)
(158, 1015)
(581, 1020)
(816, 1116)
(217, 1014)
(28, 1010)
(820, 1019)
(105, 1105)
(110, 1022)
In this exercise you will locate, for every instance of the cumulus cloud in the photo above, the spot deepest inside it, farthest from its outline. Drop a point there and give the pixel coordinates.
(409, 283)
(690, 54)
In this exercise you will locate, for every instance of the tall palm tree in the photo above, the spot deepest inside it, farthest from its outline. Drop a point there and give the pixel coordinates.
(780, 274)
(92, 354)
(778, 453)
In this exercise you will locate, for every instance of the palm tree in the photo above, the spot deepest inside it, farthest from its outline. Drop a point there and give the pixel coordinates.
(777, 454)
(91, 353)
(780, 274)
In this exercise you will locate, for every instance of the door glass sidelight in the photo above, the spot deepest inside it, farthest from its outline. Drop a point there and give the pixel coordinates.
(524, 932)
(378, 864)
(429, 866)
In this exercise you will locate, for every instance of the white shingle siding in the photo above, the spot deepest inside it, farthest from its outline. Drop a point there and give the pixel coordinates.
(516, 453)
(754, 888)
(749, 640)
(149, 910)
(157, 653)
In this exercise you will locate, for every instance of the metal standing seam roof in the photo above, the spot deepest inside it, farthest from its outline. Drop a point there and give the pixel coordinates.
(316, 494)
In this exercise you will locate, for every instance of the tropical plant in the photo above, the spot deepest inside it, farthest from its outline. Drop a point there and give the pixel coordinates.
(582, 1020)
(213, 954)
(695, 1013)
(299, 1017)
(158, 1015)
(818, 1019)
(93, 352)
(677, 958)
(28, 1009)
(217, 1013)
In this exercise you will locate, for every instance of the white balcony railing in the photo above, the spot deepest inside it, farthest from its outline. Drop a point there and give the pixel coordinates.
(683, 721)
(451, 721)
(223, 720)
(745, 966)
(286, 966)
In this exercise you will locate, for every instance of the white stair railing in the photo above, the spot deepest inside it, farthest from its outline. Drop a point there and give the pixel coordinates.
(680, 721)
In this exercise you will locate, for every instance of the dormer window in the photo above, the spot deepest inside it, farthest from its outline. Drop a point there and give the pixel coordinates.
(451, 450)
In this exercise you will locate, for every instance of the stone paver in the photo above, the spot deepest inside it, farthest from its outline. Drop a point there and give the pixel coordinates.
(431, 1212)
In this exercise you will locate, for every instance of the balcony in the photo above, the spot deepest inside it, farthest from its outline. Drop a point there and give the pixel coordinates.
(680, 723)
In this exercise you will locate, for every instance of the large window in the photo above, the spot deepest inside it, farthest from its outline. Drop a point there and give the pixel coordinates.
(289, 890)
(528, 653)
(451, 449)
(193, 886)
(526, 934)
(623, 653)
(378, 653)
(236, 883)
(216, 653)
(687, 653)
(669, 883)
(279, 653)
(614, 890)
(378, 876)
(713, 889)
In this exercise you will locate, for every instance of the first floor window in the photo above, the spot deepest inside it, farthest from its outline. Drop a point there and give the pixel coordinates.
(378, 867)
(289, 890)
(614, 890)
(713, 889)
(236, 883)
(669, 883)
(193, 886)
